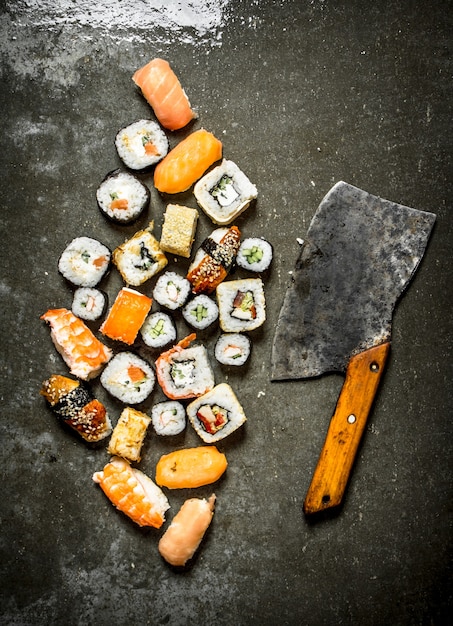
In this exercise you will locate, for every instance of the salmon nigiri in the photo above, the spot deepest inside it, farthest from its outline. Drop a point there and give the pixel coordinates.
(187, 162)
(162, 90)
(133, 492)
(82, 352)
(190, 467)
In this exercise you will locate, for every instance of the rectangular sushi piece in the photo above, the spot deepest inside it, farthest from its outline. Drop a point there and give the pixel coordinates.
(224, 192)
(128, 435)
(216, 414)
(127, 315)
(242, 305)
(178, 230)
(139, 258)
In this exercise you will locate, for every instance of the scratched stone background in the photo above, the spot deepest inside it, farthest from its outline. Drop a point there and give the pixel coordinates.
(302, 93)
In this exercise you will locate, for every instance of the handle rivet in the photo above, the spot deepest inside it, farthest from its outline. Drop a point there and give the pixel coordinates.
(374, 367)
(351, 418)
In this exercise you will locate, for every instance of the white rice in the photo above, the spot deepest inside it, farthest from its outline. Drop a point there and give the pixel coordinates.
(169, 418)
(116, 380)
(158, 330)
(122, 186)
(130, 143)
(236, 319)
(186, 373)
(171, 290)
(232, 349)
(139, 258)
(254, 254)
(89, 303)
(200, 312)
(84, 261)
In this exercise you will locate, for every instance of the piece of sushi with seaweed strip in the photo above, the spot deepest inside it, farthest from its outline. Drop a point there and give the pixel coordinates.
(216, 414)
(224, 192)
(122, 197)
(141, 144)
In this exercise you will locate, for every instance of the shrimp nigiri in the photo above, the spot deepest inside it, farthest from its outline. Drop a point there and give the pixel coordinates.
(133, 493)
(187, 162)
(181, 539)
(83, 353)
(162, 89)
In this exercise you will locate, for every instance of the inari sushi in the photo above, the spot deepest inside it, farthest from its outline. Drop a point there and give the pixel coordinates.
(82, 352)
(141, 144)
(126, 316)
(133, 493)
(73, 403)
(164, 93)
(128, 377)
(122, 197)
(187, 162)
(84, 262)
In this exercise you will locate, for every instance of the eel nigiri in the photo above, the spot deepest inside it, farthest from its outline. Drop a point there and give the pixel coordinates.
(162, 90)
(133, 493)
(182, 538)
(190, 467)
(83, 353)
(187, 162)
(73, 403)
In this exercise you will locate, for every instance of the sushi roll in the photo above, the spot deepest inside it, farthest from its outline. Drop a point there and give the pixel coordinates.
(169, 418)
(88, 303)
(184, 371)
(139, 258)
(242, 305)
(254, 254)
(171, 290)
(178, 230)
(141, 144)
(73, 403)
(232, 349)
(84, 262)
(216, 414)
(122, 197)
(224, 192)
(128, 435)
(158, 330)
(214, 259)
(128, 378)
(200, 312)
(126, 316)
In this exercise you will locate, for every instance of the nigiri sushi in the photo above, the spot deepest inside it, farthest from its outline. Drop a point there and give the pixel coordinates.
(163, 92)
(187, 162)
(133, 493)
(83, 353)
(190, 467)
(73, 403)
(182, 538)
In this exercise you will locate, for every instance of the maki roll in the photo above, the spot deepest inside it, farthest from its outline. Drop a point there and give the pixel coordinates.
(128, 435)
(158, 330)
(232, 349)
(183, 371)
(140, 257)
(126, 316)
(224, 192)
(84, 262)
(200, 312)
(141, 144)
(216, 414)
(171, 290)
(169, 418)
(128, 378)
(255, 254)
(73, 403)
(178, 230)
(89, 303)
(214, 259)
(122, 197)
(242, 305)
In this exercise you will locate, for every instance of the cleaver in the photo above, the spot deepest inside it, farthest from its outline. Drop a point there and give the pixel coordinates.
(359, 255)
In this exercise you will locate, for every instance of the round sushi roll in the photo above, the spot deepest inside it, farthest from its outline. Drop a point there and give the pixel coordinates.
(84, 262)
(254, 254)
(122, 197)
(169, 418)
(89, 303)
(158, 330)
(128, 378)
(171, 290)
(232, 349)
(141, 144)
(200, 312)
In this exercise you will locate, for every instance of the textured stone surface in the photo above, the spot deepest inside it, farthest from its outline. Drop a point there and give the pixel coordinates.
(302, 94)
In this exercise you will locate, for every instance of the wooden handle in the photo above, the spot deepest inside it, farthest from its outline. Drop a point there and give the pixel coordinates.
(345, 431)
